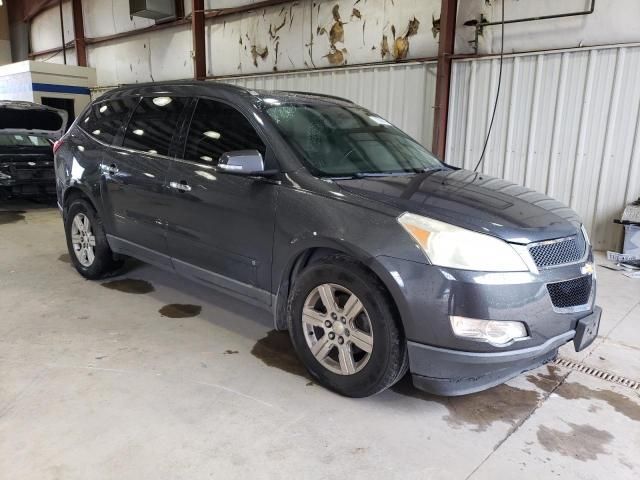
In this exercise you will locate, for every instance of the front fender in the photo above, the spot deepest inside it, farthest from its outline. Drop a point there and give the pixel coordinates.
(306, 221)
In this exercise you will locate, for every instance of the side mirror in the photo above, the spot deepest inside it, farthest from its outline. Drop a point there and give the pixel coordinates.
(243, 162)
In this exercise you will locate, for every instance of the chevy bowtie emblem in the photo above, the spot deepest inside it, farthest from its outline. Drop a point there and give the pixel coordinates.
(587, 269)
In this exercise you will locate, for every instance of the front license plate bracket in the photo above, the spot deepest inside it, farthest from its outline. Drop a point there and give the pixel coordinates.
(587, 330)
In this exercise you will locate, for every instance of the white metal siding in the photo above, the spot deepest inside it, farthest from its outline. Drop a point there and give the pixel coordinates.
(401, 93)
(568, 124)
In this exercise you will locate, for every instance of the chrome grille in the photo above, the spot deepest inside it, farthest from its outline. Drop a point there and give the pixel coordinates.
(571, 293)
(558, 252)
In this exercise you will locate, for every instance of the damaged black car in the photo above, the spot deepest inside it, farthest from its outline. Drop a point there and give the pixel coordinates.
(27, 134)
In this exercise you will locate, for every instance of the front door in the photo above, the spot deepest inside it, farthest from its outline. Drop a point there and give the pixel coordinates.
(135, 178)
(221, 225)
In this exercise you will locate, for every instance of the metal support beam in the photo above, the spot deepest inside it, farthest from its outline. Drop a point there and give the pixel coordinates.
(197, 30)
(64, 47)
(78, 33)
(448, 13)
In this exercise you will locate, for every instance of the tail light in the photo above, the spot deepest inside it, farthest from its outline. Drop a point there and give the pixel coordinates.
(57, 144)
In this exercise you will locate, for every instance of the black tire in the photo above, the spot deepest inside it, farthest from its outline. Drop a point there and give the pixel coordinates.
(388, 358)
(103, 262)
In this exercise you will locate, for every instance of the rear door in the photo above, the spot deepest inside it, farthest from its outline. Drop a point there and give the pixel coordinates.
(221, 225)
(134, 178)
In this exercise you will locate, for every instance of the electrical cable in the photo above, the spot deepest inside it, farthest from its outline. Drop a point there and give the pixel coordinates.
(495, 105)
(69, 44)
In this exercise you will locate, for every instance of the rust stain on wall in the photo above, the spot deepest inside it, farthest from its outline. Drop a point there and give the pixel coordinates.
(275, 65)
(336, 34)
(435, 26)
(345, 32)
(336, 57)
(364, 26)
(401, 44)
(384, 46)
(273, 30)
(259, 52)
(355, 13)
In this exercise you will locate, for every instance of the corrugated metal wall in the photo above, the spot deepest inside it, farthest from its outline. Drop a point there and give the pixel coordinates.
(567, 124)
(401, 93)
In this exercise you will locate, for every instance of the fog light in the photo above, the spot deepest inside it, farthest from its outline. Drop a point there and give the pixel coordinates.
(496, 333)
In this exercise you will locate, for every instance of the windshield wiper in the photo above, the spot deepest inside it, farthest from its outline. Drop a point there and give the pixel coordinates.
(358, 175)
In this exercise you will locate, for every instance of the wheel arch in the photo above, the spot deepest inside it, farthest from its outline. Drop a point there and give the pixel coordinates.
(313, 253)
(73, 192)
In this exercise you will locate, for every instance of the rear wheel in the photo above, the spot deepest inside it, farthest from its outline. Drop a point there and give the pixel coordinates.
(87, 243)
(343, 326)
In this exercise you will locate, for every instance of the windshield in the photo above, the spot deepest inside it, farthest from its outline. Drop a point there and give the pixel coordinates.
(14, 140)
(339, 141)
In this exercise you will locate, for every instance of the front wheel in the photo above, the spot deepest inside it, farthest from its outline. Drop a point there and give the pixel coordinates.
(344, 328)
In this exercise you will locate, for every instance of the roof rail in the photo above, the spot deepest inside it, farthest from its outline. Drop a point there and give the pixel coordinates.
(315, 94)
(180, 82)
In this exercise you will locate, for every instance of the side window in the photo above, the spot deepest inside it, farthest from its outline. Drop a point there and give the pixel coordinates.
(217, 128)
(104, 119)
(153, 123)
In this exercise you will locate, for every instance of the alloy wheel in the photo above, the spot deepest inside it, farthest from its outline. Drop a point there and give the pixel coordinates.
(83, 240)
(337, 328)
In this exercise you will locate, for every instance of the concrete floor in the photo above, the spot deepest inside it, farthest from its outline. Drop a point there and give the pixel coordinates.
(96, 382)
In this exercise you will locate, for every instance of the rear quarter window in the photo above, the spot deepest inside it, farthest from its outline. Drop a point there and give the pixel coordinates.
(104, 120)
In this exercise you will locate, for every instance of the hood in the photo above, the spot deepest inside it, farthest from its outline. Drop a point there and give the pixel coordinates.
(26, 118)
(473, 201)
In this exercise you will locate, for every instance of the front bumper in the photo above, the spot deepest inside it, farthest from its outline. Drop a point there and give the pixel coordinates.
(443, 363)
(450, 372)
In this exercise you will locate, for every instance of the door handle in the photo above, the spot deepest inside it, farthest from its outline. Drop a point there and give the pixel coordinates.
(181, 186)
(111, 169)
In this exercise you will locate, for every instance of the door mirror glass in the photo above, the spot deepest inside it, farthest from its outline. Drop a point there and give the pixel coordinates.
(242, 162)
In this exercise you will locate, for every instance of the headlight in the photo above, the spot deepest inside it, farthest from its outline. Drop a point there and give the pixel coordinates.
(454, 247)
(498, 333)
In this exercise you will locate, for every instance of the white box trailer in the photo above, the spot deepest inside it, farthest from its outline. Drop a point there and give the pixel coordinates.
(66, 87)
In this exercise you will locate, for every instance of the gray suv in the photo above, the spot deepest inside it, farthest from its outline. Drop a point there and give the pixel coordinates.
(377, 257)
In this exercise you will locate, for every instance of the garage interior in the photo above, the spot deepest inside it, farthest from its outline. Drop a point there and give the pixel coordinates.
(147, 375)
